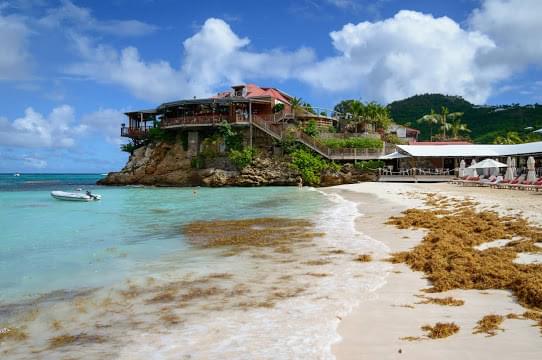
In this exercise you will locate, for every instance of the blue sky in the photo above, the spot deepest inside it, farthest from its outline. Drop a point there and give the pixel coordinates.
(68, 69)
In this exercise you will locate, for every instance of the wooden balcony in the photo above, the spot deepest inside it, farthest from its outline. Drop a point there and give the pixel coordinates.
(201, 120)
(134, 133)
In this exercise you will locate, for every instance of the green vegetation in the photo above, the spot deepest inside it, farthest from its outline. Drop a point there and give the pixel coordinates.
(442, 120)
(296, 104)
(393, 139)
(369, 165)
(362, 117)
(232, 139)
(278, 107)
(486, 123)
(310, 166)
(129, 147)
(354, 143)
(241, 158)
(311, 128)
(511, 137)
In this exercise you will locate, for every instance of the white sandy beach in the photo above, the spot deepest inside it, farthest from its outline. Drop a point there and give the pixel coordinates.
(373, 330)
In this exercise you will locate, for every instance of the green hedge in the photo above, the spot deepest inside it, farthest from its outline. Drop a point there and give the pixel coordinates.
(241, 158)
(353, 142)
(369, 165)
(310, 166)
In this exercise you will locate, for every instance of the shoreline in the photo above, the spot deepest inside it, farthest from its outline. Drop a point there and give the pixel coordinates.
(392, 313)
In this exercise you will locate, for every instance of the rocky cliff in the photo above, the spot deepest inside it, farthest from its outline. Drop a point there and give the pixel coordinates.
(165, 164)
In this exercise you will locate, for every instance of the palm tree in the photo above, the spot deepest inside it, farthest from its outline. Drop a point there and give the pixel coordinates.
(357, 110)
(430, 119)
(442, 119)
(296, 104)
(456, 127)
(511, 137)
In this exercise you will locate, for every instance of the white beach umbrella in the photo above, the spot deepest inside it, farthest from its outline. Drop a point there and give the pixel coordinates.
(462, 168)
(470, 171)
(487, 164)
(509, 174)
(539, 131)
(531, 174)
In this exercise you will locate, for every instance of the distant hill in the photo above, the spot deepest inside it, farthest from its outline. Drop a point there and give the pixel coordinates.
(485, 122)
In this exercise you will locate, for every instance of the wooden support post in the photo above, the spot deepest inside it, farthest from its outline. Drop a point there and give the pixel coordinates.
(250, 120)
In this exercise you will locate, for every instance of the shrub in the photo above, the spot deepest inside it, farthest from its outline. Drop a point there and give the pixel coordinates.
(311, 128)
(241, 158)
(369, 165)
(197, 162)
(157, 134)
(232, 139)
(278, 107)
(129, 147)
(353, 142)
(310, 166)
(394, 139)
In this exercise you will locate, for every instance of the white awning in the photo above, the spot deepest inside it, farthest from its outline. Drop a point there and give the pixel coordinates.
(472, 150)
(393, 155)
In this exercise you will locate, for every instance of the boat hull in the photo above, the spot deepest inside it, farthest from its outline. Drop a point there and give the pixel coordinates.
(66, 196)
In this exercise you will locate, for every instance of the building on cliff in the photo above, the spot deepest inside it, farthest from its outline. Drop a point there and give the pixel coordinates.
(262, 114)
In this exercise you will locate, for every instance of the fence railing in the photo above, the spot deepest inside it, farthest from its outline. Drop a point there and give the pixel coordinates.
(416, 172)
(132, 132)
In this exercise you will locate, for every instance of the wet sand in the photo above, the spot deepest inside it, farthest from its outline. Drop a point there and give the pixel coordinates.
(374, 329)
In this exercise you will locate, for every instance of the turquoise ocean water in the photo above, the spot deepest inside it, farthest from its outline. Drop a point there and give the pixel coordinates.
(48, 245)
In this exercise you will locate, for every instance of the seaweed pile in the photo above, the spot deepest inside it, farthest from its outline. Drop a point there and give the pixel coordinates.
(278, 233)
(489, 325)
(448, 258)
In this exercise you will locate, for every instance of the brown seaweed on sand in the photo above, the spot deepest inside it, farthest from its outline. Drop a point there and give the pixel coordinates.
(79, 339)
(448, 258)
(363, 258)
(447, 301)
(440, 330)
(489, 325)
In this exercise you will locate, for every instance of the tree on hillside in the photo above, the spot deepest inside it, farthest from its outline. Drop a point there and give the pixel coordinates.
(511, 137)
(441, 119)
(430, 119)
(456, 127)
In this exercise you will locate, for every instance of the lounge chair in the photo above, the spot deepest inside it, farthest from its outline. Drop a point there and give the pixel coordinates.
(486, 182)
(516, 183)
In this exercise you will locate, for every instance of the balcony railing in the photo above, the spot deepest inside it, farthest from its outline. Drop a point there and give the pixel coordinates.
(136, 133)
(202, 120)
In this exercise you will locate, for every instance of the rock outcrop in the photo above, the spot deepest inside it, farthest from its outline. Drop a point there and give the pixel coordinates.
(168, 164)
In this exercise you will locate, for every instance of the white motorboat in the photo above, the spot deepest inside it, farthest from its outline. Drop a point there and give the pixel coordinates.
(70, 196)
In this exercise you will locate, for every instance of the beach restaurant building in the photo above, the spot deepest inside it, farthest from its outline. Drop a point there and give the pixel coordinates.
(445, 158)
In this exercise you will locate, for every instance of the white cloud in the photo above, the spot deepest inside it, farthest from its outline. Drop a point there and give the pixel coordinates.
(35, 130)
(14, 57)
(81, 18)
(214, 57)
(34, 162)
(515, 27)
(408, 54)
(105, 122)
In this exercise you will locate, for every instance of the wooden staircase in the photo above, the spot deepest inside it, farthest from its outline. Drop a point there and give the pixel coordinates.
(275, 129)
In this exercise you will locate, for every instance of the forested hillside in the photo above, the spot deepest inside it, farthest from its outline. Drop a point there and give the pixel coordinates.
(485, 122)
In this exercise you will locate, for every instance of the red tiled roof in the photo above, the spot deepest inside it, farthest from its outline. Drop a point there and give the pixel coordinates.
(257, 91)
